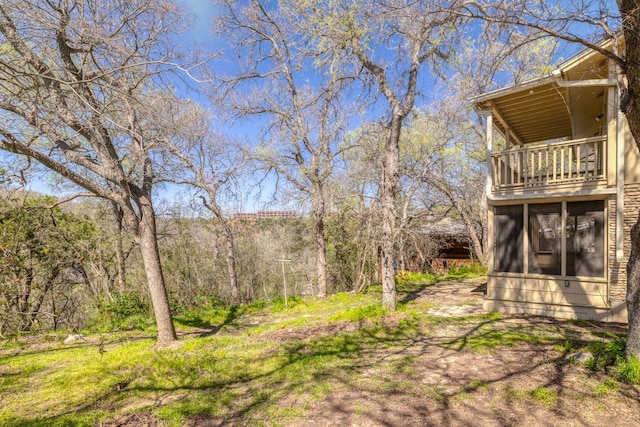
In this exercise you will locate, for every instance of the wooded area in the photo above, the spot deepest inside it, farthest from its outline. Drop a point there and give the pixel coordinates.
(293, 211)
(359, 114)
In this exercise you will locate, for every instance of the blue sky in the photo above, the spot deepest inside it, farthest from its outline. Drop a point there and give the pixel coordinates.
(201, 35)
(203, 13)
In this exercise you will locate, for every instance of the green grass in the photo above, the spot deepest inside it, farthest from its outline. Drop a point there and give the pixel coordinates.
(254, 364)
(629, 370)
(545, 396)
(606, 387)
(476, 385)
(220, 375)
(372, 311)
(410, 279)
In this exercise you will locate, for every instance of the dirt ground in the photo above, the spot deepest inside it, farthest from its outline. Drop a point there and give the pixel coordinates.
(461, 387)
(438, 380)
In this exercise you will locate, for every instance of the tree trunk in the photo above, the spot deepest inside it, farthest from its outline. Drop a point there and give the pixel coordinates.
(388, 200)
(231, 261)
(321, 244)
(35, 310)
(120, 258)
(630, 106)
(633, 293)
(321, 253)
(146, 237)
(400, 263)
(476, 240)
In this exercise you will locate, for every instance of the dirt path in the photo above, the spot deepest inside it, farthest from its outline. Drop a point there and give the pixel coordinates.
(450, 385)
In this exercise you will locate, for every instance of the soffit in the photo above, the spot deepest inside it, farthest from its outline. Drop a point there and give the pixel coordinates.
(534, 114)
(541, 109)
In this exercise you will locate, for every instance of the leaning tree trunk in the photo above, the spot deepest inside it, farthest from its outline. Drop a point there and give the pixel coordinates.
(630, 106)
(391, 161)
(633, 293)
(146, 237)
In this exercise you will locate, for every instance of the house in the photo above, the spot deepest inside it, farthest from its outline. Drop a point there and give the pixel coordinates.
(563, 191)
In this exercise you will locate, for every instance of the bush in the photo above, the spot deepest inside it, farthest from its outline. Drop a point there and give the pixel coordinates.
(605, 354)
(125, 311)
(609, 357)
(475, 269)
(629, 370)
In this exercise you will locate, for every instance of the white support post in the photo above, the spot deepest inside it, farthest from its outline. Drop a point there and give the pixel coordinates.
(563, 239)
(620, 193)
(489, 150)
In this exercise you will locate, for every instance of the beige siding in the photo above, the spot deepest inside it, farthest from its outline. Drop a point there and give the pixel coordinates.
(557, 311)
(631, 158)
(618, 183)
(550, 291)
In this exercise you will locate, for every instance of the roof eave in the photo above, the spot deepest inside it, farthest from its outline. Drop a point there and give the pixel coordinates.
(513, 89)
(554, 76)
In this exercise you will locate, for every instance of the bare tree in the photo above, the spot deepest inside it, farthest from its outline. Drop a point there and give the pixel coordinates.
(392, 42)
(77, 80)
(209, 164)
(303, 105)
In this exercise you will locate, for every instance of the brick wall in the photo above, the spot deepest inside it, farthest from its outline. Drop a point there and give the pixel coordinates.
(617, 270)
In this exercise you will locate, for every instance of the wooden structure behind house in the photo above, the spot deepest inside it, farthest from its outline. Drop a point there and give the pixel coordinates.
(452, 242)
(563, 192)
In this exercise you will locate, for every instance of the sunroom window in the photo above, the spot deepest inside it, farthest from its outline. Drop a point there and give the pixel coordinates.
(585, 239)
(508, 237)
(582, 227)
(545, 234)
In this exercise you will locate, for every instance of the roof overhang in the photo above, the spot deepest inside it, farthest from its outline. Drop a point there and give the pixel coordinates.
(565, 104)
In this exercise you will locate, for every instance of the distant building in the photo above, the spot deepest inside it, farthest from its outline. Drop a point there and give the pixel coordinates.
(267, 214)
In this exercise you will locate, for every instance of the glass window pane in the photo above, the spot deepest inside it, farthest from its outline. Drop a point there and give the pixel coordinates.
(507, 230)
(585, 239)
(545, 233)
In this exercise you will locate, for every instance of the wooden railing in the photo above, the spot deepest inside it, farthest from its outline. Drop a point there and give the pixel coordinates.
(543, 164)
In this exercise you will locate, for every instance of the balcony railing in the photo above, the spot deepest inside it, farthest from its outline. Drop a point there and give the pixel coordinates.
(535, 165)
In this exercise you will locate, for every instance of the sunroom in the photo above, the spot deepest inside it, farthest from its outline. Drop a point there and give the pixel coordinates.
(555, 192)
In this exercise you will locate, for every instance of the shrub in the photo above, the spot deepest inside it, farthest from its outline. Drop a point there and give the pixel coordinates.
(610, 357)
(125, 311)
(629, 370)
(605, 354)
(475, 269)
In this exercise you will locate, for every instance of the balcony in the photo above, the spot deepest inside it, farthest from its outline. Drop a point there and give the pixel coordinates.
(547, 164)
